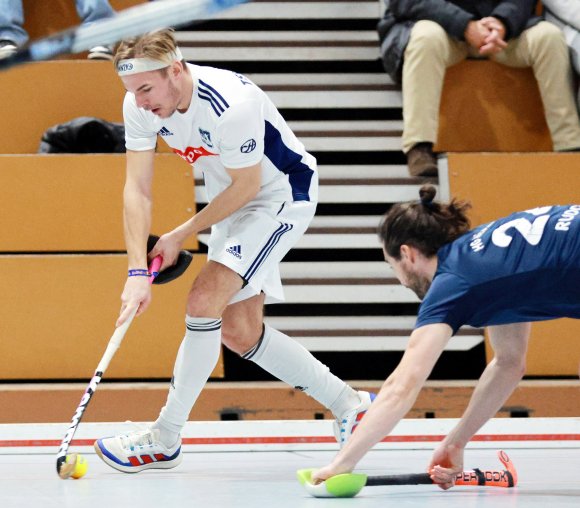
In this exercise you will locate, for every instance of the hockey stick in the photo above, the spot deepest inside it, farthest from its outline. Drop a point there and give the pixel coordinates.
(128, 23)
(350, 484)
(66, 468)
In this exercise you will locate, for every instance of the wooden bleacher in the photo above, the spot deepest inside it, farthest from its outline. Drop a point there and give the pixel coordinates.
(488, 107)
(48, 402)
(63, 267)
(62, 252)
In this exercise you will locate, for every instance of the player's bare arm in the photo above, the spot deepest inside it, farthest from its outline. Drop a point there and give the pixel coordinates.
(245, 185)
(495, 385)
(395, 398)
(137, 224)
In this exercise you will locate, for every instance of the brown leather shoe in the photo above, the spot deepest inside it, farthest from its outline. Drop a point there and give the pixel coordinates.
(421, 160)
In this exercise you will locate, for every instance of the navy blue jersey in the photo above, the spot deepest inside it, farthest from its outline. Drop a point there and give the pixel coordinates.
(524, 267)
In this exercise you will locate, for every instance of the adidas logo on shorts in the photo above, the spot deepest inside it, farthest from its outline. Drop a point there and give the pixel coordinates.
(236, 250)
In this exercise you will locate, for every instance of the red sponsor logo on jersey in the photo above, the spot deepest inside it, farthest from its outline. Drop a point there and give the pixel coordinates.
(191, 154)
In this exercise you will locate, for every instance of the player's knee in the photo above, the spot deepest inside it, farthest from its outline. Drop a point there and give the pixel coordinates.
(516, 365)
(240, 338)
(201, 304)
(198, 308)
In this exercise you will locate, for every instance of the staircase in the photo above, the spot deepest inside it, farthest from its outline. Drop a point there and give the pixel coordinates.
(318, 61)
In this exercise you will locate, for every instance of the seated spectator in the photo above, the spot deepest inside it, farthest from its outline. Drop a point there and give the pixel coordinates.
(13, 35)
(566, 15)
(421, 38)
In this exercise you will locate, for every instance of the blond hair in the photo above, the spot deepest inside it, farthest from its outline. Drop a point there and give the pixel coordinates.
(158, 45)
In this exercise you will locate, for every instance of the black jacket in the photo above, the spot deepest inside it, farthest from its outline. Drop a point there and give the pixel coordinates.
(453, 15)
(84, 135)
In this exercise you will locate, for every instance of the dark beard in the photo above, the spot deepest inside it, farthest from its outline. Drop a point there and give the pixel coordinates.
(418, 285)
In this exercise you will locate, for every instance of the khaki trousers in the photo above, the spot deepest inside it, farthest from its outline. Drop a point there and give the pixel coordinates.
(430, 51)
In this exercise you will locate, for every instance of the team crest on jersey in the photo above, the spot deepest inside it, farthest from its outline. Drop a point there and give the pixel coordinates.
(205, 137)
(248, 146)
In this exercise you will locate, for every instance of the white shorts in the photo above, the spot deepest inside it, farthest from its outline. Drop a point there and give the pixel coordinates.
(253, 241)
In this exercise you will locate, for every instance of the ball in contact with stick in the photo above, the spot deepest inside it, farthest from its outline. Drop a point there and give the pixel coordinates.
(81, 465)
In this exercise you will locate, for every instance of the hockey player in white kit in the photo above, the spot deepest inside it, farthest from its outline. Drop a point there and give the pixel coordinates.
(262, 191)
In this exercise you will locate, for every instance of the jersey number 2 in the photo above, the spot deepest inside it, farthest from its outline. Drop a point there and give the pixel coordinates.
(531, 231)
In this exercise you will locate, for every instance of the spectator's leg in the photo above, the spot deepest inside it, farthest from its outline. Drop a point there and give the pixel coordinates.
(543, 48)
(11, 21)
(429, 52)
(94, 10)
(574, 46)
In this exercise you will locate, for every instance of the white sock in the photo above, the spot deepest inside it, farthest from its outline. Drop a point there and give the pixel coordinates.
(292, 363)
(196, 359)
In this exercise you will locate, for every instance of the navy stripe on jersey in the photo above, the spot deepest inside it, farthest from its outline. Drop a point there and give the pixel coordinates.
(267, 249)
(289, 162)
(210, 94)
(217, 111)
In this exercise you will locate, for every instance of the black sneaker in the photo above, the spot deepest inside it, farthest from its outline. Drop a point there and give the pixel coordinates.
(7, 48)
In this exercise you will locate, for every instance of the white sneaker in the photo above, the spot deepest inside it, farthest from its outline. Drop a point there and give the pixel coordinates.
(345, 426)
(101, 53)
(137, 451)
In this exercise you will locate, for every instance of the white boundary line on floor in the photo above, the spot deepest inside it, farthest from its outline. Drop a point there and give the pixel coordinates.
(295, 435)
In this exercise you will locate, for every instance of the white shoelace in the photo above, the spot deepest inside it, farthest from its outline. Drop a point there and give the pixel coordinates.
(139, 438)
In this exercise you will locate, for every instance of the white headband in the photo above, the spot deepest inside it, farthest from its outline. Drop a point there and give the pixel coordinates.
(136, 65)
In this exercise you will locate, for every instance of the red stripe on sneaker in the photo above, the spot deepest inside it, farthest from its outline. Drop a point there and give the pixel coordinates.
(147, 459)
(160, 457)
(135, 461)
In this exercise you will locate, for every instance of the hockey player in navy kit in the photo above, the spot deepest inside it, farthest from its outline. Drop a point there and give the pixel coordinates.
(503, 275)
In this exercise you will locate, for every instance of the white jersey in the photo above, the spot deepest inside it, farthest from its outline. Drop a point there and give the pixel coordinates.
(231, 123)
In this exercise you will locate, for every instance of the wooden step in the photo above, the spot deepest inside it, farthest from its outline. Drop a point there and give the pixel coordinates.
(141, 402)
(66, 203)
(70, 89)
(59, 311)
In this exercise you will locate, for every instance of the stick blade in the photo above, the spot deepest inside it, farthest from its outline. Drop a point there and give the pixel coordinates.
(342, 485)
(346, 485)
(66, 467)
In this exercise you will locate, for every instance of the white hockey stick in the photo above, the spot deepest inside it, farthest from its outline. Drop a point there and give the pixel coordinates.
(66, 468)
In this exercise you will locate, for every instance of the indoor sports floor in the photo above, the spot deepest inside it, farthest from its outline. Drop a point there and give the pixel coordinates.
(548, 477)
